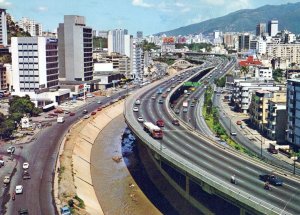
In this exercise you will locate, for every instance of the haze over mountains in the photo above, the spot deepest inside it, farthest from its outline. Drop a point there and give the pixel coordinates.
(246, 20)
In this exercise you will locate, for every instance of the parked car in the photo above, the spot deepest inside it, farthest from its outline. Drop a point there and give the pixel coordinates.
(26, 175)
(99, 109)
(93, 113)
(84, 112)
(65, 210)
(52, 114)
(11, 149)
(72, 114)
(19, 189)
(135, 109)
(6, 179)
(272, 179)
(25, 165)
(58, 111)
(99, 102)
(86, 116)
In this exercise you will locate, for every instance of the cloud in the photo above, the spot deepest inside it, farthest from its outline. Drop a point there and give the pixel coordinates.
(141, 3)
(5, 3)
(197, 19)
(42, 8)
(238, 5)
(214, 2)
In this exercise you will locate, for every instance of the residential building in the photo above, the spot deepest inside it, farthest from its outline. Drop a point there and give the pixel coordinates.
(260, 29)
(259, 45)
(103, 34)
(229, 40)
(3, 27)
(259, 107)
(3, 77)
(137, 61)
(293, 112)
(264, 73)
(285, 52)
(128, 45)
(273, 27)
(31, 26)
(276, 121)
(116, 41)
(35, 69)
(75, 43)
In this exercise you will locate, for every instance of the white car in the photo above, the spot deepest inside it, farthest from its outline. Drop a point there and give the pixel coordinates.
(86, 116)
(140, 119)
(19, 189)
(138, 102)
(25, 165)
(135, 109)
(153, 97)
(98, 102)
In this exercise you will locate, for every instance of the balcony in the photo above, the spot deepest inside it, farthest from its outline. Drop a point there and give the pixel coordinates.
(273, 114)
(273, 123)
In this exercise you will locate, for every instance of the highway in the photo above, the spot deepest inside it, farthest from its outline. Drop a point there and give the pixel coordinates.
(215, 160)
(41, 154)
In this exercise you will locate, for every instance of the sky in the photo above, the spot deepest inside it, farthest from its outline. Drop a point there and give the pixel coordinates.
(149, 16)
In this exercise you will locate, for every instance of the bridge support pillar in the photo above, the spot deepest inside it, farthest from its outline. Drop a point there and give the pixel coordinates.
(242, 211)
(187, 186)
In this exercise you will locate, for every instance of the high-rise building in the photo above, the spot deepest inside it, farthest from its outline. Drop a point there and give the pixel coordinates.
(75, 42)
(139, 35)
(128, 40)
(31, 26)
(244, 42)
(34, 64)
(260, 29)
(137, 58)
(229, 40)
(292, 106)
(273, 27)
(116, 41)
(103, 34)
(3, 28)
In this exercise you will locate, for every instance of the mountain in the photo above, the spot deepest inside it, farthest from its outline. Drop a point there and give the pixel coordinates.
(288, 16)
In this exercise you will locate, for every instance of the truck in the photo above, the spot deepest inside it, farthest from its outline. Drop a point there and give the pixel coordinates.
(60, 119)
(185, 104)
(153, 130)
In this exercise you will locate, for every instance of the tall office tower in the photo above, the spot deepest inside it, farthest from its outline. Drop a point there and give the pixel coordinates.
(3, 27)
(260, 29)
(273, 27)
(244, 42)
(229, 40)
(292, 106)
(116, 41)
(75, 46)
(34, 64)
(31, 26)
(139, 34)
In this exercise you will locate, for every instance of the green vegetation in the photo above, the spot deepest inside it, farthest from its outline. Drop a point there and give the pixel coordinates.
(80, 202)
(165, 60)
(148, 46)
(220, 82)
(195, 46)
(99, 42)
(277, 74)
(18, 107)
(14, 30)
(211, 116)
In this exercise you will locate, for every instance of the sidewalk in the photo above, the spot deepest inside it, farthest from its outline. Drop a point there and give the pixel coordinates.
(253, 135)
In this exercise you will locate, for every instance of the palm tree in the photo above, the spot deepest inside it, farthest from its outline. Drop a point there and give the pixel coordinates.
(244, 70)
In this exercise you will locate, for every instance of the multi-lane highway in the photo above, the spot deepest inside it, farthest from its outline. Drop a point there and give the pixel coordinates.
(215, 160)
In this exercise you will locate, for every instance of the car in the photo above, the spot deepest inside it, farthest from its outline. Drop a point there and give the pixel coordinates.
(58, 111)
(25, 165)
(89, 95)
(72, 114)
(273, 151)
(177, 111)
(233, 133)
(184, 110)
(98, 102)
(175, 122)
(140, 119)
(93, 113)
(11, 149)
(272, 179)
(52, 115)
(238, 122)
(160, 123)
(23, 211)
(84, 112)
(86, 116)
(160, 101)
(138, 102)
(192, 105)
(1, 163)
(67, 112)
(26, 175)
(164, 95)
(153, 97)
(65, 210)
(19, 189)
(99, 109)
(169, 89)
(108, 96)
(172, 106)
(6, 179)
(135, 109)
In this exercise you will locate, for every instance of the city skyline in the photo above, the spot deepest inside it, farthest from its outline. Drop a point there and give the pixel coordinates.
(154, 16)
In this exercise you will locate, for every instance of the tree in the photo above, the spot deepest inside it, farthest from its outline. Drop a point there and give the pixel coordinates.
(220, 82)
(7, 127)
(244, 70)
(18, 106)
(277, 74)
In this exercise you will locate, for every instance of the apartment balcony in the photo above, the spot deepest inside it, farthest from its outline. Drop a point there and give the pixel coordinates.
(273, 132)
(245, 101)
(273, 114)
(273, 123)
(245, 94)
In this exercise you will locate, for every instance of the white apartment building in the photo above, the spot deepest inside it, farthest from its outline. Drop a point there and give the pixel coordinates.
(264, 73)
(3, 28)
(286, 52)
(75, 43)
(116, 41)
(137, 61)
(259, 45)
(273, 27)
(31, 26)
(293, 111)
(35, 69)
